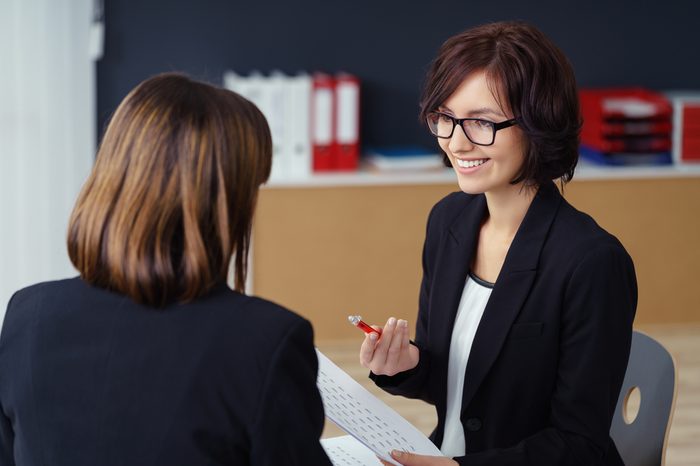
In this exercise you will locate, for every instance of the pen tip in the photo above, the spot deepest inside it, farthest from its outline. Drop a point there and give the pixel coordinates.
(354, 319)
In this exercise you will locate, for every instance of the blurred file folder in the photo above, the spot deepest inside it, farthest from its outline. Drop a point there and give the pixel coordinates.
(298, 117)
(322, 124)
(347, 127)
(265, 93)
(314, 119)
(686, 126)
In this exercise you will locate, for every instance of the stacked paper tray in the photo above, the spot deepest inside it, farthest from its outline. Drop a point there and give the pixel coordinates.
(626, 126)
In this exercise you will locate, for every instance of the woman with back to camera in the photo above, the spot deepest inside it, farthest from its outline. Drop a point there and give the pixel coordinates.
(149, 358)
(526, 304)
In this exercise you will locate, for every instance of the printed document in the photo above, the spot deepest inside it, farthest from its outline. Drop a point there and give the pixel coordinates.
(365, 417)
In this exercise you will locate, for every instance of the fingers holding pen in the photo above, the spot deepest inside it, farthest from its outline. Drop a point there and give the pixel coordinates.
(381, 351)
(388, 351)
(396, 346)
(368, 346)
(373, 352)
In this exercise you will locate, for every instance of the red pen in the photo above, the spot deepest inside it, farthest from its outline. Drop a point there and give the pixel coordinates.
(359, 323)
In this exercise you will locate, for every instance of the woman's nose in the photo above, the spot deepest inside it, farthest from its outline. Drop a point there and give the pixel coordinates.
(459, 142)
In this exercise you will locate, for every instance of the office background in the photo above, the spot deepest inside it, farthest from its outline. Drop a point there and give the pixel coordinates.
(58, 87)
(65, 79)
(388, 44)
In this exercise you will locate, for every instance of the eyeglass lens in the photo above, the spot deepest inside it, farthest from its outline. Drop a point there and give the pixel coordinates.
(478, 131)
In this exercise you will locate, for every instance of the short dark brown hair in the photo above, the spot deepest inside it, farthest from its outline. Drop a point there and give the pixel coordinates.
(171, 196)
(529, 74)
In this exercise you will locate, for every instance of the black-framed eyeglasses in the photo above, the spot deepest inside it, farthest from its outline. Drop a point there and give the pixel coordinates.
(478, 131)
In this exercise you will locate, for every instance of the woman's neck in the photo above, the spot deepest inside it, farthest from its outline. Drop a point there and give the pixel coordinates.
(507, 208)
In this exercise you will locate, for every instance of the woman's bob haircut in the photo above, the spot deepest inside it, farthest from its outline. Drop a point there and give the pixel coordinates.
(170, 200)
(529, 76)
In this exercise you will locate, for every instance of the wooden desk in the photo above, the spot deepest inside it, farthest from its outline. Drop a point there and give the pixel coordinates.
(330, 251)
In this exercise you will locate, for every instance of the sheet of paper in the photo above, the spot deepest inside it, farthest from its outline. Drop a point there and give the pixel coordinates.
(365, 417)
(346, 451)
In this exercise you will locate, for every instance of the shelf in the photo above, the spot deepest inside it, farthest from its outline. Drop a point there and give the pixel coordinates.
(584, 172)
(366, 178)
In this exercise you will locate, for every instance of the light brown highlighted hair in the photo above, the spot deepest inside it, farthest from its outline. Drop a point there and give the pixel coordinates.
(530, 76)
(171, 196)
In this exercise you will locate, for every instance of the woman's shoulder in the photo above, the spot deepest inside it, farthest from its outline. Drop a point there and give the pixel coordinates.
(251, 333)
(243, 308)
(259, 321)
(221, 308)
(577, 234)
(33, 304)
(30, 298)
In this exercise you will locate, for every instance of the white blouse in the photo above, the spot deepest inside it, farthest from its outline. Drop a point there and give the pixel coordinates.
(471, 307)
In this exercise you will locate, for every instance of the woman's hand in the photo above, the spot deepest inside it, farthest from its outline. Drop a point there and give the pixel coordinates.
(391, 352)
(409, 459)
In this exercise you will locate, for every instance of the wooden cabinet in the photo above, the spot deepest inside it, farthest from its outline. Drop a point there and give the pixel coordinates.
(328, 251)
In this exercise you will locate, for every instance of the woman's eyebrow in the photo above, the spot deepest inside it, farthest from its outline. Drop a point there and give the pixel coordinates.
(485, 111)
(474, 113)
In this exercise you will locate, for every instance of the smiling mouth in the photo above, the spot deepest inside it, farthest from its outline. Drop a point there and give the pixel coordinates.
(470, 163)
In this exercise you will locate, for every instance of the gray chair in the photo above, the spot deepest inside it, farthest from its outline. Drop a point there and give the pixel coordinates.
(642, 441)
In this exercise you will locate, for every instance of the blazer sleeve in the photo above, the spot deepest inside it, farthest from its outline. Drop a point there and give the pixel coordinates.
(414, 383)
(598, 310)
(290, 418)
(7, 439)
(7, 436)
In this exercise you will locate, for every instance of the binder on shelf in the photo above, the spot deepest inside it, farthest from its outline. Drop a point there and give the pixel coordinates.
(322, 122)
(347, 122)
(232, 81)
(686, 126)
(277, 91)
(300, 163)
(314, 119)
(269, 94)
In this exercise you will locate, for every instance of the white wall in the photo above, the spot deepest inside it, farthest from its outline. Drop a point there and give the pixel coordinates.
(47, 134)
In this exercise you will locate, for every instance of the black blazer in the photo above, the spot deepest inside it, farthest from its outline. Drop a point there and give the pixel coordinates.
(88, 377)
(550, 352)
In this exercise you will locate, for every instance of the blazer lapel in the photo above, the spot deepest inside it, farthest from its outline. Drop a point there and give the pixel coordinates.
(511, 289)
(453, 262)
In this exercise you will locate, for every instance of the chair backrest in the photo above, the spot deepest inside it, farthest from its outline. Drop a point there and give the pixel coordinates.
(642, 442)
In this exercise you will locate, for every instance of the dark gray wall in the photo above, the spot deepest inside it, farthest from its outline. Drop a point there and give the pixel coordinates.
(388, 44)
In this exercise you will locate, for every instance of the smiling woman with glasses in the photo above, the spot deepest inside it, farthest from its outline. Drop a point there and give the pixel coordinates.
(526, 305)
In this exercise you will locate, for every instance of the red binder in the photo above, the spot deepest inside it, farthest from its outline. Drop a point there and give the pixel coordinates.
(686, 126)
(689, 132)
(347, 122)
(322, 122)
